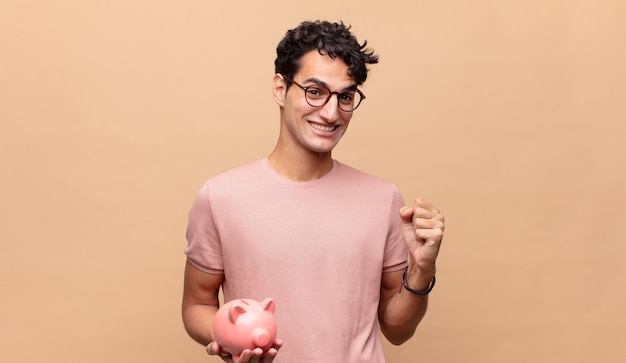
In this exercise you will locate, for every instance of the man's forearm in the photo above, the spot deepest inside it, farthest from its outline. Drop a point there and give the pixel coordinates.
(402, 316)
(198, 321)
(403, 310)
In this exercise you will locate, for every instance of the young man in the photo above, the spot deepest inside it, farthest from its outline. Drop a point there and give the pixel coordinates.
(334, 247)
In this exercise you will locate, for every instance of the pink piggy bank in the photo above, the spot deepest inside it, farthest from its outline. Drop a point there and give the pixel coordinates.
(245, 324)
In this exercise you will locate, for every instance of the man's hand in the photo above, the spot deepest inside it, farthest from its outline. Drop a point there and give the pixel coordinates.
(247, 356)
(423, 227)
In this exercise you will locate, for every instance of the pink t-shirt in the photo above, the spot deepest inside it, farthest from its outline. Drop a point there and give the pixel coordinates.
(318, 248)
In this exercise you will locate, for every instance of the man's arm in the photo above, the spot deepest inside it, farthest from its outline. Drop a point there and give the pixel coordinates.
(400, 310)
(200, 303)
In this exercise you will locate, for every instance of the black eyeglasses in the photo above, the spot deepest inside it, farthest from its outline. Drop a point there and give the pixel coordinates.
(318, 96)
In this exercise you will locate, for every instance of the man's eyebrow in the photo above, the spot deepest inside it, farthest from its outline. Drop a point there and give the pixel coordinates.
(322, 83)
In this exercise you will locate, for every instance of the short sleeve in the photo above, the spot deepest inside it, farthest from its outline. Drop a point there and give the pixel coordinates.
(203, 249)
(395, 249)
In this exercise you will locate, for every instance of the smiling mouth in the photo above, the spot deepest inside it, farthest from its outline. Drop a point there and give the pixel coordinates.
(323, 128)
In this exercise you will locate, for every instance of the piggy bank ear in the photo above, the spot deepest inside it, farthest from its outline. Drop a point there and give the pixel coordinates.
(268, 305)
(234, 311)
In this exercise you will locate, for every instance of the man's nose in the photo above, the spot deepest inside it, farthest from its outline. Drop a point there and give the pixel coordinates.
(330, 111)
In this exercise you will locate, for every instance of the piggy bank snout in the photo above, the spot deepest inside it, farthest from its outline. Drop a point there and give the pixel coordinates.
(261, 337)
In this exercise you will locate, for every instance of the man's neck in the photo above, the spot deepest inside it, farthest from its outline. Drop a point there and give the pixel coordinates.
(300, 166)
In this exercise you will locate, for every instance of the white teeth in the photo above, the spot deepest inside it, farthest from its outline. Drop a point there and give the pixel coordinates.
(323, 128)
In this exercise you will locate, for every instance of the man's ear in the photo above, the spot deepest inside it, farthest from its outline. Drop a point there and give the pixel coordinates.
(279, 89)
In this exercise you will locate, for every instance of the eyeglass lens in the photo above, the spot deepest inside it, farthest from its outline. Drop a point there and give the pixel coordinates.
(318, 96)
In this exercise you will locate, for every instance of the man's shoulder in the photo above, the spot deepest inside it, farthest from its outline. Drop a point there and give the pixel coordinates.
(351, 172)
(233, 180)
(237, 172)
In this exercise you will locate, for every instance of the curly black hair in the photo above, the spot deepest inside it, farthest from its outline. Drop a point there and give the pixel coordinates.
(333, 39)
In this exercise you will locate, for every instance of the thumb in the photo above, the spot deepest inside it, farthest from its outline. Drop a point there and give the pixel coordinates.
(406, 214)
(408, 229)
(214, 349)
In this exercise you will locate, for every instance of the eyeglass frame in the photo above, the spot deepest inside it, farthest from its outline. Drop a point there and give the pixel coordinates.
(362, 96)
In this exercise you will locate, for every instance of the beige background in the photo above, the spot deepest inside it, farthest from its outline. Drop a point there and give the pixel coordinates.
(508, 115)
